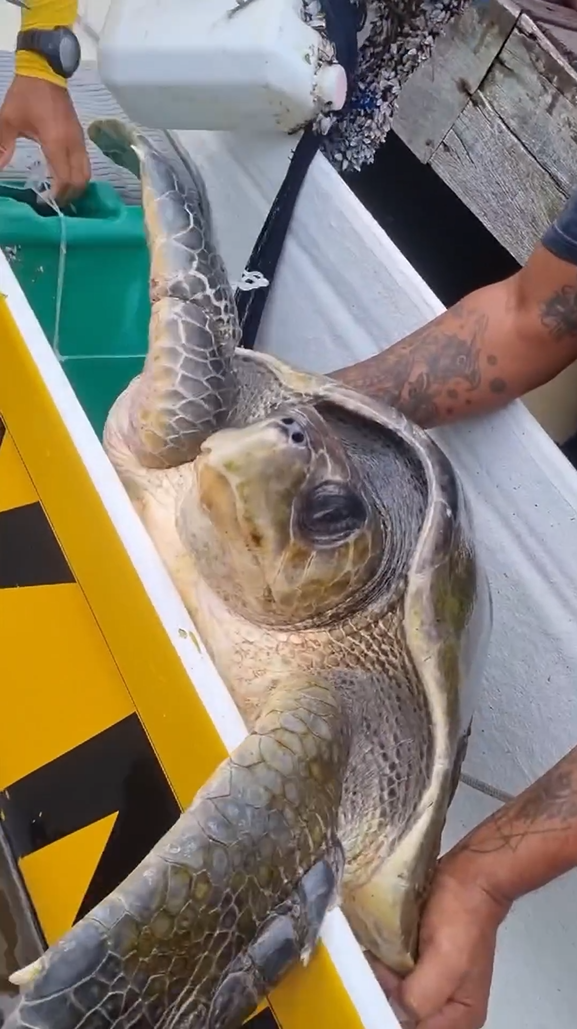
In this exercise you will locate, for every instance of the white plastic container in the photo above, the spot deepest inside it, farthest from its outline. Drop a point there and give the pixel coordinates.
(214, 64)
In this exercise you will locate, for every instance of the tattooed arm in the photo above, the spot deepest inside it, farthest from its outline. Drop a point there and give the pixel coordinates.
(526, 844)
(495, 345)
(529, 841)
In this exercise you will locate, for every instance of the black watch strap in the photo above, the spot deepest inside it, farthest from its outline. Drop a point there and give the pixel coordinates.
(53, 45)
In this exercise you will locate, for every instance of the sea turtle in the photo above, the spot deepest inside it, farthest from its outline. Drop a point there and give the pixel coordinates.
(324, 549)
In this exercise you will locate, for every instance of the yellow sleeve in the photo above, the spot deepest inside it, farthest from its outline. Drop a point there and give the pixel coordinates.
(44, 14)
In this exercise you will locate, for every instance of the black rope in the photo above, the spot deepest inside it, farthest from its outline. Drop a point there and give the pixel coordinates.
(342, 22)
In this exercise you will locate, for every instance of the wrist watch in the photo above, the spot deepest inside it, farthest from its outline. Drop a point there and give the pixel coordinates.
(59, 47)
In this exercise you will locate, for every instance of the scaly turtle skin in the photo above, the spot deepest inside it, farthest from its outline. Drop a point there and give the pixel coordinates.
(324, 549)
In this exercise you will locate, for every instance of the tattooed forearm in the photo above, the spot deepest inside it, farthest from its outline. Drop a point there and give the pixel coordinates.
(559, 313)
(488, 349)
(533, 838)
(444, 371)
(549, 805)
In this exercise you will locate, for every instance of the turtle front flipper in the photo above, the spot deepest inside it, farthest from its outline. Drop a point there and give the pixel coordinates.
(226, 902)
(187, 387)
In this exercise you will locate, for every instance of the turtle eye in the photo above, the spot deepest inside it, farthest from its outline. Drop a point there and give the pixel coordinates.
(331, 512)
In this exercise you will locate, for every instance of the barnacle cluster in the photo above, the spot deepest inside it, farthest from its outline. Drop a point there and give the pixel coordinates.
(395, 37)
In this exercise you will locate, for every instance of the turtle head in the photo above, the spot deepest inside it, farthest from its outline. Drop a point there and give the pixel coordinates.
(278, 523)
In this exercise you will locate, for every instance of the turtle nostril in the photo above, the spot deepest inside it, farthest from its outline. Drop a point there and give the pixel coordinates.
(293, 430)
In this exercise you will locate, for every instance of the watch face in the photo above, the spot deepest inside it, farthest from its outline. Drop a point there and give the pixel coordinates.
(68, 53)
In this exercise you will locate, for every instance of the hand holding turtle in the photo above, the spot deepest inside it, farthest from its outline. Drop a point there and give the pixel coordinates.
(526, 844)
(450, 986)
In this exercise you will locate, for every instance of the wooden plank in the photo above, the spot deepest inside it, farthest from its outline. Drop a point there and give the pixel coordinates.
(439, 90)
(534, 92)
(484, 163)
(550, 13)
(562, 37)
(565, 39)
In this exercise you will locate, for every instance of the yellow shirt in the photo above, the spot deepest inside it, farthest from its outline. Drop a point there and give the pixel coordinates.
(44, 14)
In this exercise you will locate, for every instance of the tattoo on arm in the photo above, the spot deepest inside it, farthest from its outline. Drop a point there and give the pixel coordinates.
(548, 806)
(559, 313)
(450, 367)
(436, 371)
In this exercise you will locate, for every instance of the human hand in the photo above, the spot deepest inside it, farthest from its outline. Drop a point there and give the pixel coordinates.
(450, 985)
(43, 111)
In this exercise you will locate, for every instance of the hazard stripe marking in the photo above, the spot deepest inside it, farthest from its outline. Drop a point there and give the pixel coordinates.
(264, 1020)
(30, 554)
(29, 551)
(16, 486)
(59, 685)
(110, 786)
(66, 867)
(115, 771)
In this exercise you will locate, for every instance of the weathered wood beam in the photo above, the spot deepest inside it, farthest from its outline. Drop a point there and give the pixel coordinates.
(438, 92)
(494, 112)
(499, 181)
(534, 92)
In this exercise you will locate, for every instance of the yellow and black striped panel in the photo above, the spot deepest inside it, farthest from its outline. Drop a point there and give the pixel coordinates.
(103, 737)
(83, 796)
(79, 808)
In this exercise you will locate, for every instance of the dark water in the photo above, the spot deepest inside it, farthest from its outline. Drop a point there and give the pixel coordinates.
(449, 247)
(20, 940)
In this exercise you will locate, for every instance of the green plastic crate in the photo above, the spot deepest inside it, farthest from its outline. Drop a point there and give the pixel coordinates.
(105, 306)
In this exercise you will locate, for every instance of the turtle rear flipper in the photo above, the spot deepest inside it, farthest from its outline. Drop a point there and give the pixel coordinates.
(227, 901)
(187, 388)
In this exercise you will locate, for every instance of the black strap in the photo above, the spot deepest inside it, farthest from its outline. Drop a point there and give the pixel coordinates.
(342, 21)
